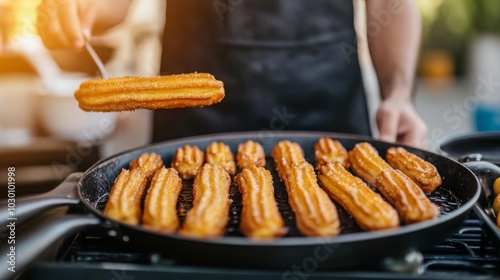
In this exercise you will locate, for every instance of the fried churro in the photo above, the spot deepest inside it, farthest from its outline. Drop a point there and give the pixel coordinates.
(410, 201)
(187, 161)
(260, 217)
(423, 173)
(366, 162)
(287, 154)
(250, 153)
(147, 164)
(328, 150)
(315, 213)
(209, 215)
(160, 92)
(219, 153)
(160, 206)
(368, 208)
(124, 203)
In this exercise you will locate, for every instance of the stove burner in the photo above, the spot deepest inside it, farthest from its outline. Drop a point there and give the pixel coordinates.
(466, 254)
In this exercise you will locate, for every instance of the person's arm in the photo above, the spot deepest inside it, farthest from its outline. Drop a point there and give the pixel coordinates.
(394, 31)
(69, 23)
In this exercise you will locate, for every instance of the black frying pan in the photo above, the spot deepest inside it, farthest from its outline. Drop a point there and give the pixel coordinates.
(483, 148)
(351, 248)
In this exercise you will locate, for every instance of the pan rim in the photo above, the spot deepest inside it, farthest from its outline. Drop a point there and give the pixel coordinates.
(454, 140)
(287, 241)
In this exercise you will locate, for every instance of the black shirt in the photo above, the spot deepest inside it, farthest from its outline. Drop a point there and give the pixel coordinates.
(285, 64)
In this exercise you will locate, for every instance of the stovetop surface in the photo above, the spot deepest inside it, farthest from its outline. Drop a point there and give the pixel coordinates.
(467, 254)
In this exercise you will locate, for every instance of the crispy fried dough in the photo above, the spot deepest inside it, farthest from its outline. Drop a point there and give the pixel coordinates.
(423, 173)
(260, 217)
(368, 208)
(160, 92)
(209, 215)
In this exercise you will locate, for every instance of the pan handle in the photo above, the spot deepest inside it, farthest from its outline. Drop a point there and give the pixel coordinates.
(487, 173)
(19, 210)
(34, 241)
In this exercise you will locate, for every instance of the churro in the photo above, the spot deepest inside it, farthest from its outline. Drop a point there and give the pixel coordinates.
(209, 215)
(366, 162)
(368, 208)
(160, 206)
(423, 173)
(187, 161)
(410, 201)
(219, 153)
(147, 164)
(287, 154)
(260, 217)
(124, 203)
(159, 92)
(328, 150)
(315, 213)
(250, 153)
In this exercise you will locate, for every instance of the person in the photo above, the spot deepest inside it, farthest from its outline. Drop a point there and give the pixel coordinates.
(285, 64)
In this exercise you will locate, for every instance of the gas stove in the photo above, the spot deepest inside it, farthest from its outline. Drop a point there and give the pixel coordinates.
(467, 254)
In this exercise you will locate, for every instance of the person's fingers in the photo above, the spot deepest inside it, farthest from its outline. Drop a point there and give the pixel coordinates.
(415, 133)
(87, 14)
(387, 122)
(49, 27)
(70, 23)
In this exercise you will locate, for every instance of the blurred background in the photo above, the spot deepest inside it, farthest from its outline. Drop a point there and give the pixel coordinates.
(45, 136)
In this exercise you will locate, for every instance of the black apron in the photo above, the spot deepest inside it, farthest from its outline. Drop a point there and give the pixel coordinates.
(285, 64)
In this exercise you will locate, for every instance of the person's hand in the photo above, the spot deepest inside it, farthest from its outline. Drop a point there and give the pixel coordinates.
(69, 23)
(398, 121)
(66, 23)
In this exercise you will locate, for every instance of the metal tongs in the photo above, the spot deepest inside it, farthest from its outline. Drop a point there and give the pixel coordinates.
(97, 60)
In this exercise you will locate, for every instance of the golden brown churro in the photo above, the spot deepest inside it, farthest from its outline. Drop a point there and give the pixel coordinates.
(423, 173)
(187, 161)
(209, 215)
(315, 213)
(410, 201)
(366, 162)
(148, 164)
(124, 203)
(218, 153)
(328, 150)
(287, 154)
(250, 153)
(368, 208)
(260, 217)
(160, 207)
(160, 92)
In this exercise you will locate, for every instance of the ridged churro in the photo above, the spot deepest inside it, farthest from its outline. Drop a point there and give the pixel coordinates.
(410, 201)
(328, 150)
(368, 208)
(366, 162)
(159, 92)
(187, 161)
(209, 215)
(147, 164)
(423, 173)
(160, 206)
(124, 202)
(260, 217)
(315, 213)
(220, 154)
(250, 153)
(287, 154)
